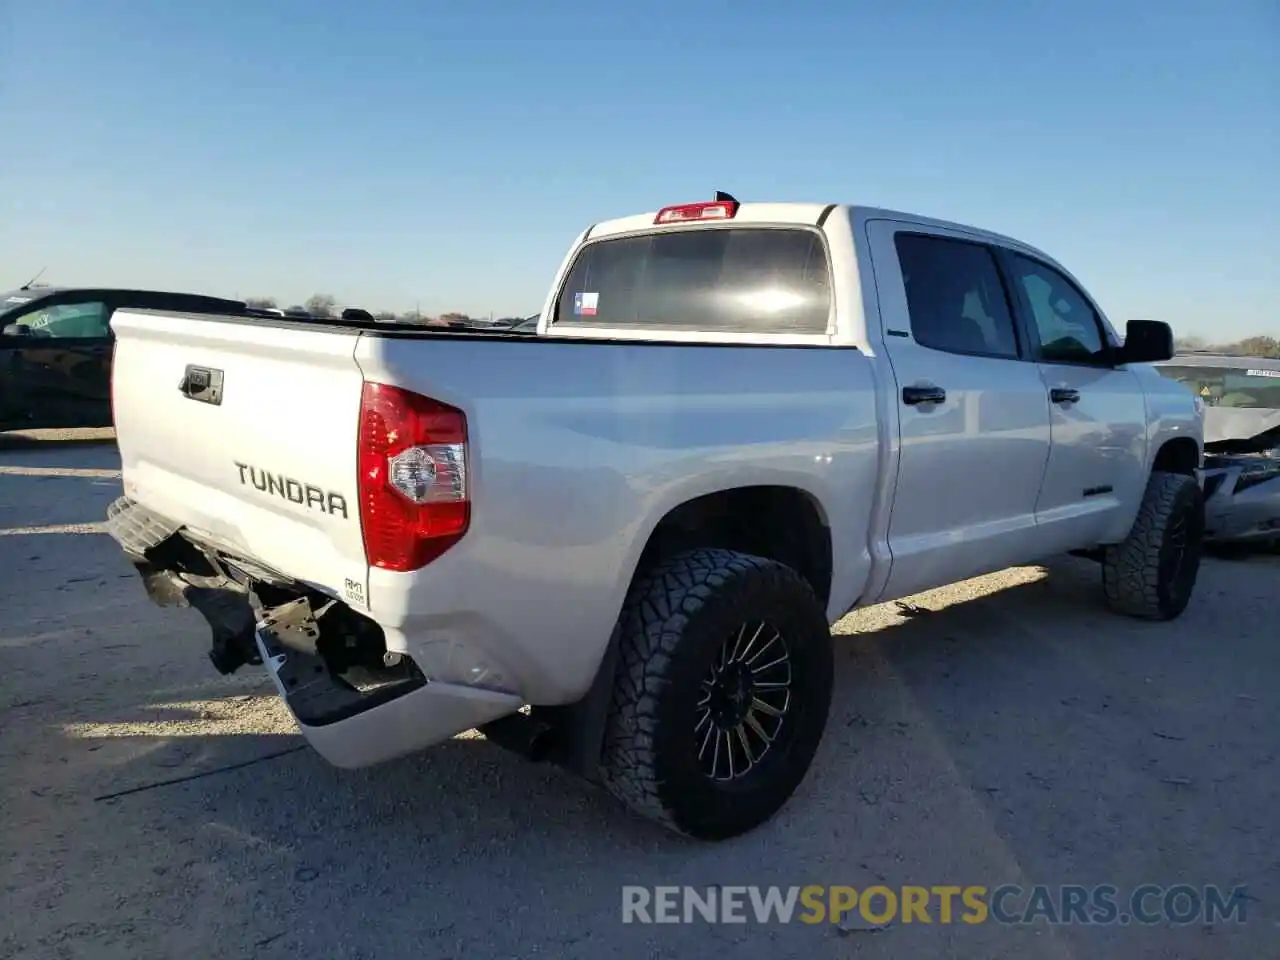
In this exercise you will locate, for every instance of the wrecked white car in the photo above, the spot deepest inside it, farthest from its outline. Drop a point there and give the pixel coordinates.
(1242, 443)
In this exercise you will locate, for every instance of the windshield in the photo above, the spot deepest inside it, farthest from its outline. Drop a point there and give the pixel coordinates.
(1246, 389)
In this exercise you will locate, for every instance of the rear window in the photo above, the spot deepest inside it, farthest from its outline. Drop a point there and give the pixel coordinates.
(726, 280)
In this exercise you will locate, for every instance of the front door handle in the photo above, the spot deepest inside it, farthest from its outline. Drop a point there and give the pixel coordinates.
(1064, 395)
(912, 396)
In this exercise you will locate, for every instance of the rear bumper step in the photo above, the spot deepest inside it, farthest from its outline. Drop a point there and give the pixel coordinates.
(136, 528)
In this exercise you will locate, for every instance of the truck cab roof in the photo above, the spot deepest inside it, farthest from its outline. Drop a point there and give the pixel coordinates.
(809, 214)
(815, 250)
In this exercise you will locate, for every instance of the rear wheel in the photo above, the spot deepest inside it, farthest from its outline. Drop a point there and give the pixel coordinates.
(722, 692)
(1152, 573)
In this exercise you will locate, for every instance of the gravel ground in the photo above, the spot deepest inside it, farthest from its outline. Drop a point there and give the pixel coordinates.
(1007, 730)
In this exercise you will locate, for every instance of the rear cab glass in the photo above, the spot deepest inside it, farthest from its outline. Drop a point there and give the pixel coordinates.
(730, 279)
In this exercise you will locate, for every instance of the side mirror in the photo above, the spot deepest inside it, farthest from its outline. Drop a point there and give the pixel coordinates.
(1147, 341)
(16, 330)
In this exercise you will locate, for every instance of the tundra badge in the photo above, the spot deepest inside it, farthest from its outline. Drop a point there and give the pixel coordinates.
(295, 491)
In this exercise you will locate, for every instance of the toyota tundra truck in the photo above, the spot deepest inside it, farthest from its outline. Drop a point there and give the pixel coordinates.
(619, 544)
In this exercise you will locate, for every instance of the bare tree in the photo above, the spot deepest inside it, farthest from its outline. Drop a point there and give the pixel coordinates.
(1256, 346)
(321, 305)
(261, 303)
(1260, 346)
(1188, 344)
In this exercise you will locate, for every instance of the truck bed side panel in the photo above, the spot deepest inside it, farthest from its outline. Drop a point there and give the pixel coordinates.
(577, 452)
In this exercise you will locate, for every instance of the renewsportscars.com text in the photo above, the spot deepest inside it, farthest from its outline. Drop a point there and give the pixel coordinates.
(943, 904)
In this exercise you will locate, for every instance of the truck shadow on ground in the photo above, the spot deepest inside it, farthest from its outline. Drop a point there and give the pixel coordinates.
(1024, 735)
(1020, 696)
(1246, 553)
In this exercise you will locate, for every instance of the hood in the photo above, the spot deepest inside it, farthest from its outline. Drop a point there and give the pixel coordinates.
(1241, 430)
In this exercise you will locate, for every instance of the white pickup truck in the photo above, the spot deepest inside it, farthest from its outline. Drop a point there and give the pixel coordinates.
(619, 543)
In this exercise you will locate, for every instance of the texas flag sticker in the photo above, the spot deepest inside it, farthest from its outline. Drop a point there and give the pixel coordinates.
(584, 304)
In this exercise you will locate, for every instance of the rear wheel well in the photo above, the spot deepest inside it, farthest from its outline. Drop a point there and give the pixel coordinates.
(1179, 455)
(780, 523)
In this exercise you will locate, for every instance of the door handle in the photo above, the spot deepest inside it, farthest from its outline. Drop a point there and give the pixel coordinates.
(1064, 395)
(203, 384)
(913, 396)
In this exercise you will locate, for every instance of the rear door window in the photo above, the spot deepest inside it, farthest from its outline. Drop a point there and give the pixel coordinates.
(725, 280)
(955, 299)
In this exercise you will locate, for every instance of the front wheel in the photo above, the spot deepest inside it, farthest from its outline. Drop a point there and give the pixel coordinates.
(722, 692)
(1152, 573)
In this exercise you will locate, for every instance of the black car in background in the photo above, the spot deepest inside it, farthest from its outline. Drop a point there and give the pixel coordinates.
(55, 350)
(527, 325)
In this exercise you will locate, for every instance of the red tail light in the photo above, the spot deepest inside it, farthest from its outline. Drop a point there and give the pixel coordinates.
(413, 477)
(718, 210)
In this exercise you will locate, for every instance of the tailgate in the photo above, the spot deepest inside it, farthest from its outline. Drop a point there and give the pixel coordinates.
(264, 462)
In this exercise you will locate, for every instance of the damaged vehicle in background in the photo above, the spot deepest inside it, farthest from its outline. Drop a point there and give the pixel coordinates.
(1242, 444)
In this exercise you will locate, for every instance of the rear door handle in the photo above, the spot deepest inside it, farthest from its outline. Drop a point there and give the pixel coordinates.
(1064, 395)
(913, 396)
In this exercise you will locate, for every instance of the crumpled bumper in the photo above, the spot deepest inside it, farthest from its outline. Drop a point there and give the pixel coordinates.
(1236, 512)
(419, 718)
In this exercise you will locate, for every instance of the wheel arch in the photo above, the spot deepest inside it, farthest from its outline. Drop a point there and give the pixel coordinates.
(1181, 455)
(778, 521)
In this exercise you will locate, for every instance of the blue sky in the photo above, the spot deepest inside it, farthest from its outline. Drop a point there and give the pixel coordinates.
(446, 154)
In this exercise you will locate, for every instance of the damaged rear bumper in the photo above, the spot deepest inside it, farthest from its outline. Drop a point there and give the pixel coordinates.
(354, 702)
(413, 720)
(354, 727)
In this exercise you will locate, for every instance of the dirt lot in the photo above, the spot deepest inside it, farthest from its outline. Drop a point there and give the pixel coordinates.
(1017, 733)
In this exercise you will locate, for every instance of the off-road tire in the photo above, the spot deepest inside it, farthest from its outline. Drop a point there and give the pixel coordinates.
(1150, 575)
(675, 620)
